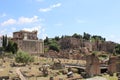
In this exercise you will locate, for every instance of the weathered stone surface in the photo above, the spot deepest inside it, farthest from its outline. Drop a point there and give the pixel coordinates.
(31, 46)
(92, 65)
(118, 64)
(28, 42)
(57, 65)
(88, 45)
(84, 50)
(112, 65)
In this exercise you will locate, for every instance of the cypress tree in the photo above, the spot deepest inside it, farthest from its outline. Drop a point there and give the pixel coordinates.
(4, 44)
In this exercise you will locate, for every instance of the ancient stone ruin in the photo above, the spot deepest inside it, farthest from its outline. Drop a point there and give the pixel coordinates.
(112, 65)
(29, 42)
(118, 67)
(118, 64)
(58, 65)
(92, 65)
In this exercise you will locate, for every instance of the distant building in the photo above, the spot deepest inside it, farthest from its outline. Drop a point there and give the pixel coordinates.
(1, 41)
(29, 42)
(25, 35)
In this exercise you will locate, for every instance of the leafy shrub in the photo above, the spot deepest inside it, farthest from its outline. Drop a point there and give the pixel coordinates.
(23, 57)
(54, 47)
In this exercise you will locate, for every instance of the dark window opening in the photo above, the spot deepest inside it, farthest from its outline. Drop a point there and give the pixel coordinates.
(104, 70)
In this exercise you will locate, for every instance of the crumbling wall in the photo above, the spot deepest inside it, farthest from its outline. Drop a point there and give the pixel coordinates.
(92, 65)
(31, 46)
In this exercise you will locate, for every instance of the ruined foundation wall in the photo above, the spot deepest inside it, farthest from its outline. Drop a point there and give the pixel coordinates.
(31, 46)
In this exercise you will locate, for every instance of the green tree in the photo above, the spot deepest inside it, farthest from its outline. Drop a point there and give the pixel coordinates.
(54, 47)
(12, 47)
(86, 36)
(23, 57)
(96, 37)
(9, 46)
(57, 38)
(15, 48)
(78, 36)
(4, 41)
(46, 41)
(117, 48)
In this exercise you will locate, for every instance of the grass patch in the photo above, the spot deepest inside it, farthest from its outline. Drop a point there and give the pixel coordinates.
(108, 77)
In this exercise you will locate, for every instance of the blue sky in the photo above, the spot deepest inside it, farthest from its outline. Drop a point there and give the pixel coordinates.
(61, 17)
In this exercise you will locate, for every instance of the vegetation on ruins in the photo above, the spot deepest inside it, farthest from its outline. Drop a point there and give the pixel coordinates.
(52, 44)
(74, 44)
(12, 47)
(95, 37)
(83, 43)
(117, 49)
(23, 57)
(75, 35)
(46, 41)
(8, 45)
(86, 36)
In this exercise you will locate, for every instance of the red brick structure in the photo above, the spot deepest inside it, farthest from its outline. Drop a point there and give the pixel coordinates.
(92, 65)
(28, 42)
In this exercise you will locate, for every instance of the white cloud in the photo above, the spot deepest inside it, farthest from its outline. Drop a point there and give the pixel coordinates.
(38, 28)
(56, 5)
(8, 22)
(44, 36)
(44, 9)
(50, 7)
(18, 24)
(21, 20)
(112, 36)
(13, 29)
(3, 32)
(115, 38)
(10, 34)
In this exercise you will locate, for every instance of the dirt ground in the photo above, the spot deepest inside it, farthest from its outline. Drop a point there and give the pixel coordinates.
(33, 71)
